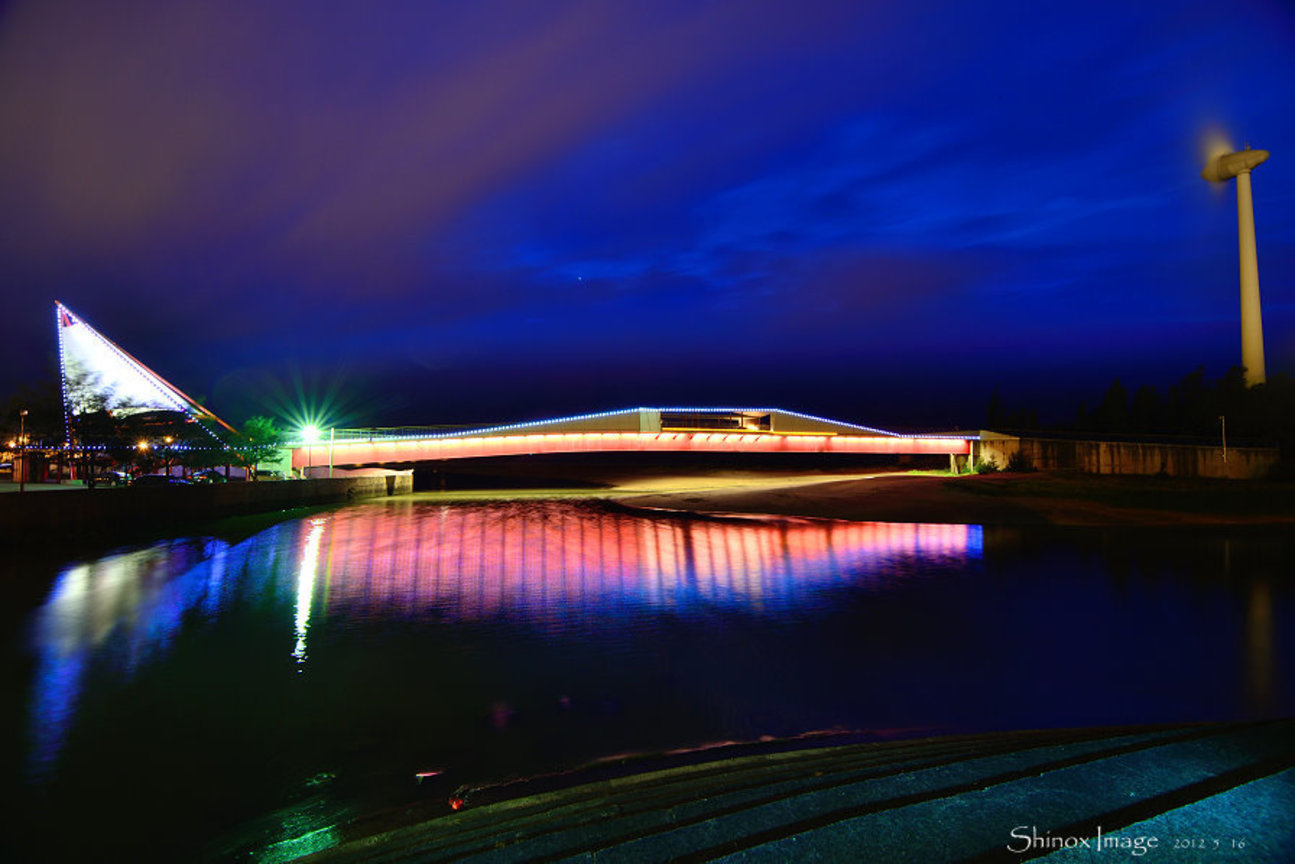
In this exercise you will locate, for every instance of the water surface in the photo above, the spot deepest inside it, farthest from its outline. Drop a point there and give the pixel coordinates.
(172, 693)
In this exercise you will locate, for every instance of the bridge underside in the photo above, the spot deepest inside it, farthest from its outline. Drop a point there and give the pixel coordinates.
(404, 452)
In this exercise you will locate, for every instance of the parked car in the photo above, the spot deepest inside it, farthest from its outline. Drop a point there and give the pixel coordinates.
(159, 480)
(266, 474)
(112, 478)
(208, 475)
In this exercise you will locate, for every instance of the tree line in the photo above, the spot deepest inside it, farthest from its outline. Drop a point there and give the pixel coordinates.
(1193, 407)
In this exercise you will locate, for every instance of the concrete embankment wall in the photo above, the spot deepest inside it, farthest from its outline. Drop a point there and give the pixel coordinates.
(143, 511)
(1131, 457)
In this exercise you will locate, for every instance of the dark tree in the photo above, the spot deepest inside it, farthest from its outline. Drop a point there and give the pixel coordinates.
(1145, 411)
(1112, 413)
(995, 418)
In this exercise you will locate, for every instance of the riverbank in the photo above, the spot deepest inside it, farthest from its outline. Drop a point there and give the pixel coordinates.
(1038, 498)
(1041, 498)
(79, 515)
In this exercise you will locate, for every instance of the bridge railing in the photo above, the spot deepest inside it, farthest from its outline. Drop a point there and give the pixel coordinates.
(382, 433)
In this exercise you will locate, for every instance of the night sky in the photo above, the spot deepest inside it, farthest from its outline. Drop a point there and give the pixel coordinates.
(437, 212)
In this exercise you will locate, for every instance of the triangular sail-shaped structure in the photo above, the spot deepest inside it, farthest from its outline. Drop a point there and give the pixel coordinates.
(100, 376)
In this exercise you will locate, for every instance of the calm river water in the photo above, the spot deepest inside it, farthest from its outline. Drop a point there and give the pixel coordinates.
(242, 697)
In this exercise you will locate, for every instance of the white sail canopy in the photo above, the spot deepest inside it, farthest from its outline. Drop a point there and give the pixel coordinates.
(100, 376)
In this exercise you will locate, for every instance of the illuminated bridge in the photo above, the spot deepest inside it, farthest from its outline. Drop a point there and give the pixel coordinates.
(696, 430)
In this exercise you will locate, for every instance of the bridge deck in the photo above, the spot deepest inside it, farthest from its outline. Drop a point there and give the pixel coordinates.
(408, 450)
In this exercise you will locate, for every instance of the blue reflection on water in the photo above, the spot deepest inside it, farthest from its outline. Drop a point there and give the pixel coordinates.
(128, 607)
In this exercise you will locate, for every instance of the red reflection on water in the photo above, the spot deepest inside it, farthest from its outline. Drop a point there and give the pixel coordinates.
(479, 561)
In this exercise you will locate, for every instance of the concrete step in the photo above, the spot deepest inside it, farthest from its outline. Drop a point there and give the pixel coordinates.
(634, 790)
(894, 801)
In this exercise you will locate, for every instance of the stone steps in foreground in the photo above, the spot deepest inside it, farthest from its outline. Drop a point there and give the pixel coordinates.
(940, 799)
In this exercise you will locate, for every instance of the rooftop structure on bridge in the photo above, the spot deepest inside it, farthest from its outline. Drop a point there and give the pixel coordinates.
(766, 421)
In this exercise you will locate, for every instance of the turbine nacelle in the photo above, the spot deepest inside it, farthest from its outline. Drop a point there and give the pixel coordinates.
(1223, 168)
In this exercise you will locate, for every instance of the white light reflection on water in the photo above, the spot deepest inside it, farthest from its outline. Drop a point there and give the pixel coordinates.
(306, 585)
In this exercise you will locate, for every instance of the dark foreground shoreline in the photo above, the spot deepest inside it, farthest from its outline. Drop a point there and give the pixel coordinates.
(1216, 792)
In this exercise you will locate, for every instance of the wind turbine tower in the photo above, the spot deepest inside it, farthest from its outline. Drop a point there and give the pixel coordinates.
(1221, 169)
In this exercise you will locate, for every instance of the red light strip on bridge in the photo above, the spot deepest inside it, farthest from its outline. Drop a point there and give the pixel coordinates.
(436, 449)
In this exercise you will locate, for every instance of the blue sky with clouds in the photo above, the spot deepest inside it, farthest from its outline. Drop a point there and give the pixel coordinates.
(477, 211)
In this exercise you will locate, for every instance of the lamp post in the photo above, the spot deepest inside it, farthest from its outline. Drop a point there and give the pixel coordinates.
(310, 435)
(22, 449)
(1224, 421)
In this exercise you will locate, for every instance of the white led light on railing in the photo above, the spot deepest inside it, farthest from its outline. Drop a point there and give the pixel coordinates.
(376, 436)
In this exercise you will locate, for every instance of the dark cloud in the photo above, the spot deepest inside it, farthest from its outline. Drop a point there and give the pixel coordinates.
(502, 194)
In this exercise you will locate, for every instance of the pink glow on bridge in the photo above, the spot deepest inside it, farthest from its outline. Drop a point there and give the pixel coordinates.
(380, 452)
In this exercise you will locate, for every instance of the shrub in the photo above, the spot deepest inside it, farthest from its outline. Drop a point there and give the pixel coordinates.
(986, 466)
(1282, 470)
(1020, 462)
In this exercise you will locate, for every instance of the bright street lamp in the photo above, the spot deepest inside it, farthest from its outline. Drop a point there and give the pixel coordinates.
(22, 444)
(310, 436)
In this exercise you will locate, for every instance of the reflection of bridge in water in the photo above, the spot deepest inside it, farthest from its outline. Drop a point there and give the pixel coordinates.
(549, 561)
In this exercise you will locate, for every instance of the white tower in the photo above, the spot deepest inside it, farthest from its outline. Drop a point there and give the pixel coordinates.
(1220, 170)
